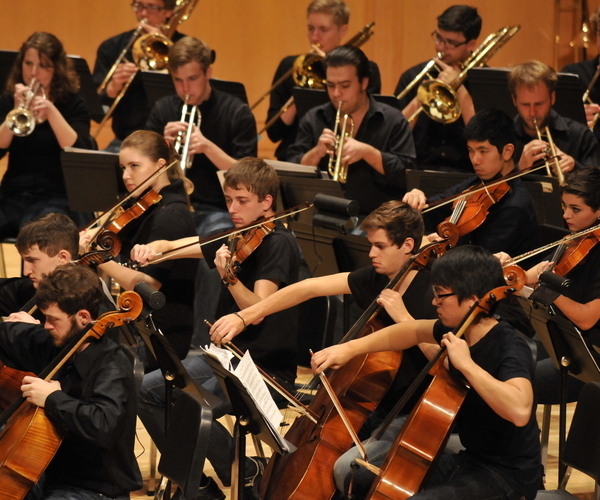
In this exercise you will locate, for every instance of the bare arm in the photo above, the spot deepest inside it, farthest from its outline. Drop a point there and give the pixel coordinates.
(127, 277)
(585, 316)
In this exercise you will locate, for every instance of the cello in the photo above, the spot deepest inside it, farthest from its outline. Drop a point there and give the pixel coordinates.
(29, 440)
(359, 385)
(426, 430)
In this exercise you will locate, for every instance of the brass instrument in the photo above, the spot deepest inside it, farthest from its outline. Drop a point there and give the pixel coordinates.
(150, 51)
(554, 162)
(21, 120)
(586, 97)
(439, 100)
(190, 115)
(308, 72)
(424, 72)
(337, 168)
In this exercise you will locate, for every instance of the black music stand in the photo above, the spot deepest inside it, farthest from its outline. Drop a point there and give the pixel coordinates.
(92, 179)
(489, 89)
(248, 420)
(569, 352)
(294, 169)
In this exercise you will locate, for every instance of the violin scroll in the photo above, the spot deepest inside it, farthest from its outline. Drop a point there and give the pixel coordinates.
(109, 246)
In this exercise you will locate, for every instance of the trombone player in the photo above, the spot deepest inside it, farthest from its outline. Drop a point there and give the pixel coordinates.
(382, 147)
(532, 86)
(441, 146)
(131, 113)
(327, 24)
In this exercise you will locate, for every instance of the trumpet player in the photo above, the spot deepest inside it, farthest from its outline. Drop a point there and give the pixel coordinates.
(382, 147)
(40, 114)
(227, 130)
(440, 146)
(327, 25)
(532, 87)
(588, 72)
(133, 110)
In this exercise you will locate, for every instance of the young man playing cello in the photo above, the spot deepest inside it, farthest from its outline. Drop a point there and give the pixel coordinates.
(496, 423)
(91, 398)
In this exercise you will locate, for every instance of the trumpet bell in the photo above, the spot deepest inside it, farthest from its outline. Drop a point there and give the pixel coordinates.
(21, 122)
(151, 51)
(439, 101)
(309, 71)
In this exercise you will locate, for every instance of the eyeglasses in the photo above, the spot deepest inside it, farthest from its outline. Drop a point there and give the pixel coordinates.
(441, 296)
(437, 38)
(151, 9)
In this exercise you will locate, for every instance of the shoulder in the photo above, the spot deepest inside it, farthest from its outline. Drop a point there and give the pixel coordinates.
(414, 71)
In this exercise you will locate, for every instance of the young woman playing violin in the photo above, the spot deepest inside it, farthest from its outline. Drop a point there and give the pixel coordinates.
(498, 220)
(143, 153)
(581, 303)
(251, 194)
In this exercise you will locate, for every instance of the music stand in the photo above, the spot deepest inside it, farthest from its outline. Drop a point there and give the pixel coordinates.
(489, 89)
(294, 169)
(92, 179)
(569, 352)
(248, 419)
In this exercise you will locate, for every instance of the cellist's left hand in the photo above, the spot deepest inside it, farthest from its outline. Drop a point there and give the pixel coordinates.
(36, 390)
(458, 351)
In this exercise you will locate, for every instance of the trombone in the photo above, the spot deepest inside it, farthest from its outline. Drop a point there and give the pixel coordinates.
(586, 97)
(552, 151)
(337, 168)
(21, 121)
(424, 72)
(438, 99)
(190, 115)
(308, 72)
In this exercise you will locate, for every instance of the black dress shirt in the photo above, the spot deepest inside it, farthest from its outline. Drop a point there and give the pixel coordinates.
(384, 128)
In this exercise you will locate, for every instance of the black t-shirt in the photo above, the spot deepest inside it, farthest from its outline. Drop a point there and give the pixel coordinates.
(514, 452)
(272, 343)
(227, 122)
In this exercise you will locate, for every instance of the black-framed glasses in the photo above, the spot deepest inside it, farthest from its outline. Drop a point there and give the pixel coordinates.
(441, 296)
(154, 9)
(437, 38)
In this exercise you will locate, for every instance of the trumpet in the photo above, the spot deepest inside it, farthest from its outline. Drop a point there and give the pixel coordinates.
(337, 168)
(586, 97)
(21, 120)
(190, 115)
(552, 151)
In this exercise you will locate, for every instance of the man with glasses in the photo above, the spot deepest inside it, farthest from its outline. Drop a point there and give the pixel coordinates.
(441, 146)
(133, 109)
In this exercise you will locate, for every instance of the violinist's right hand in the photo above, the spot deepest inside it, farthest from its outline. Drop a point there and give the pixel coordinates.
(416, 199)
(226, 328)
(503, 257)
(143, 254)
(335, 356)
(119, 77)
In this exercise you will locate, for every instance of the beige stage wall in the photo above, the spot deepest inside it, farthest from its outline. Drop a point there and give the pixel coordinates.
(251, 36)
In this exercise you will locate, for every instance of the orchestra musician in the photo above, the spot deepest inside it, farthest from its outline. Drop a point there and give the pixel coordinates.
(382, 147)
(227, 130)
(440, 146)
(327, 24)
(581, 302)
(142, 154)
(586, 71)
(511, 222)
(91, 397)
(496, 423)
(250, 187)
(34, 183)
(133, 110)
(532, 86)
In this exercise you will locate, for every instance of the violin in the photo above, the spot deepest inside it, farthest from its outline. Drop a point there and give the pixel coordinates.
(29, 441)
(241, 246)
(426, 430)
(359, 386)
(471, 209)
(575, 252)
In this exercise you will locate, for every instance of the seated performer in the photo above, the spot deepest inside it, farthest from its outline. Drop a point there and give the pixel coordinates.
(496, 423)
(532, 86)
(382, 146)
(581, 303)
(227, 131)
(511, 221)
(327, 24)
(586, 71)
(91, 399)
(132, 111)
(33, 184)
(251, 194)
(441, 146)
